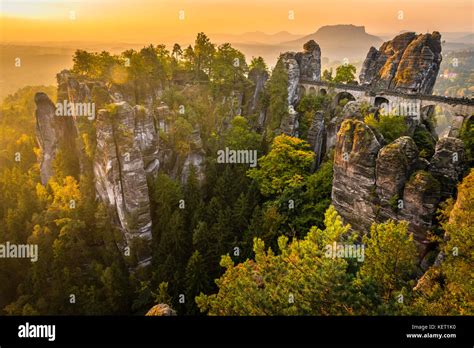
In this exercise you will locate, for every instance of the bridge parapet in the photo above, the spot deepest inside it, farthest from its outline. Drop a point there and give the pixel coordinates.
(372, 92)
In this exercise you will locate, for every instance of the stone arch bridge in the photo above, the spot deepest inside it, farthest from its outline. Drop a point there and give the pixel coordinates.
(405, 104)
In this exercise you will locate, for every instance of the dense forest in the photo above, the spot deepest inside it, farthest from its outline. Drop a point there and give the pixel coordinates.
(227, 239)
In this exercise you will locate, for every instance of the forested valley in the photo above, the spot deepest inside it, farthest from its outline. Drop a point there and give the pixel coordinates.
(226, 238)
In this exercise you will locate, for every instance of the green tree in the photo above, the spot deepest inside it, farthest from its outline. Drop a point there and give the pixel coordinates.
(327, 75)
(258, 63)
(344, 74)
(204, 52)
(228, 71)
(285, 166)
(390, 126)
(444, 289)
(300, 280)
(389, 267)
(277, 95)
(196, 279)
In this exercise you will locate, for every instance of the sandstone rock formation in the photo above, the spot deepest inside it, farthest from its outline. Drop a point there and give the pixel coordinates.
(374, 183)
(46, 134)
(161, 310)
(302, 65)
(317, 138)
(395, 163)
(448, 164)
(353, 191)
(309, 61)
(119, 170)
(129, 151)
(52, 131)
(421, 197)
(147, 139)
(409, 63)
(259, 78)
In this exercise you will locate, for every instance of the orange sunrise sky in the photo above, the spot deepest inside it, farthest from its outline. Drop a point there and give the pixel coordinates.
(142, 20)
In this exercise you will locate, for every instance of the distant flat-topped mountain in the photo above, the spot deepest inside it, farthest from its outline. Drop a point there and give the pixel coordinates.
(339, 41)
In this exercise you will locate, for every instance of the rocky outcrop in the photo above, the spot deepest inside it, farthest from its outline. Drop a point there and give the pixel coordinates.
(289, 124)
(316, 137)
(421, 196)
(309, 61)
(161, 310)
(395, 163)
(351, 110)
(409, 63)
(448, 164)
(52, 132)
(373, 183)
(46, 134)
(147, 139)
(119, 170)
(353, 191)
(127, 151)
(302, 65)
(258, 77)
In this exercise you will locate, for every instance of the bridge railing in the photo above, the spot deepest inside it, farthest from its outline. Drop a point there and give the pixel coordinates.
(374, 92)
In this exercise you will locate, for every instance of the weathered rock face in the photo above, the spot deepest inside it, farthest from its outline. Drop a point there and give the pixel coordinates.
(316, 137)
(374, 183)
(350, 110)
(147, 139)
(409, 63)
(395, 162)
(293, 70)
(120, 171)
(51, 132)
(302, 65)
(421, 197)
(448, 164)
(127, 152)
(259, 78)
(309, 61)
(46, 134)
(195, 158)
(353, 190)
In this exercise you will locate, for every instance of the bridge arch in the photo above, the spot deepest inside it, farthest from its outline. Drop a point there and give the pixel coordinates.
(301, 91)
(323, 91)
(379, 101)
(312, 90)
(343, 95)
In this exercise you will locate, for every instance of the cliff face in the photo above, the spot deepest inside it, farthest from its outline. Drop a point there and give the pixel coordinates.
(46, 134)
(304, 65)
(373, 183)
(51, 132)
(309, 61)
(354, 174)
(119, 169)
(128, 151)
(259, 78)
(409, 63)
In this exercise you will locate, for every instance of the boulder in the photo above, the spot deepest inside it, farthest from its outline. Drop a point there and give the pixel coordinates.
(161, 310)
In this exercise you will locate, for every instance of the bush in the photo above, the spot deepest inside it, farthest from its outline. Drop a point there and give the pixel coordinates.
(390, 126)
(425, 142)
